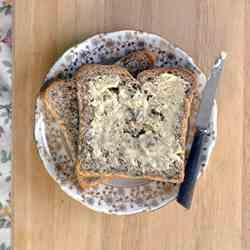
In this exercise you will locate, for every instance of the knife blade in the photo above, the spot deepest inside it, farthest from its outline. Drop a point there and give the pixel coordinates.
(209, 92)
(192, 168)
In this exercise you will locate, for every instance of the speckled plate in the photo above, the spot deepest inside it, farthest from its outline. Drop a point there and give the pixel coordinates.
(118, 196)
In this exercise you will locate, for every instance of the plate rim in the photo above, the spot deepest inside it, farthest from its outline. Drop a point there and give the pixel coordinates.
(129, 212)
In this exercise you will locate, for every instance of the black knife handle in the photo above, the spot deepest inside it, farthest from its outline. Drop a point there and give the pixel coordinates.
(192, 170)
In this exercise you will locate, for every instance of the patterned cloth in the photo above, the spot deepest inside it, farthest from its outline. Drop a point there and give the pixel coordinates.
(5, 124)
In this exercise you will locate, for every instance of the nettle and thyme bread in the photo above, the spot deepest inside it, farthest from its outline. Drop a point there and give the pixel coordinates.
(137, 61)
(132, 128)
(61, 104)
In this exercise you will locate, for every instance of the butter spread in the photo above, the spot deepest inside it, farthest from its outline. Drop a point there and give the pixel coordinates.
(136, 127)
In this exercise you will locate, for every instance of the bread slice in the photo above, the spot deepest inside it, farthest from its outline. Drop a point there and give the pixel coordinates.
(137, 61)
(56, 141)
(133, 129)
(60, 99)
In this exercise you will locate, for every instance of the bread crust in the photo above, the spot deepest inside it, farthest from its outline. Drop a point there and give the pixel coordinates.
(138, 61)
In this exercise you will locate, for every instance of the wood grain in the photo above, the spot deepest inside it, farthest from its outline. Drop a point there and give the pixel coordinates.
(246, 141)
(44, 217)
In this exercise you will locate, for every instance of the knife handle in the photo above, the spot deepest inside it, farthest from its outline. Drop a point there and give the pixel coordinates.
(192, 170)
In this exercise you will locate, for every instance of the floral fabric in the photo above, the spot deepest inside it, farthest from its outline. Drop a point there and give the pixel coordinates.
(5, 124)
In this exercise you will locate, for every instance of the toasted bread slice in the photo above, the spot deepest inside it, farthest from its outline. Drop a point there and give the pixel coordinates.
(133, 129)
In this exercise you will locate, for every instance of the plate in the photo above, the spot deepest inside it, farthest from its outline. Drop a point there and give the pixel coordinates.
(121, 197)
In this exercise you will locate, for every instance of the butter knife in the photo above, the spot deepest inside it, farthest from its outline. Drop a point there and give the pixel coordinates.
(192, 168)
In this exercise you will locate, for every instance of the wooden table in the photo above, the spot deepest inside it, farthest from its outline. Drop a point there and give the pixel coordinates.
(44, 217)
